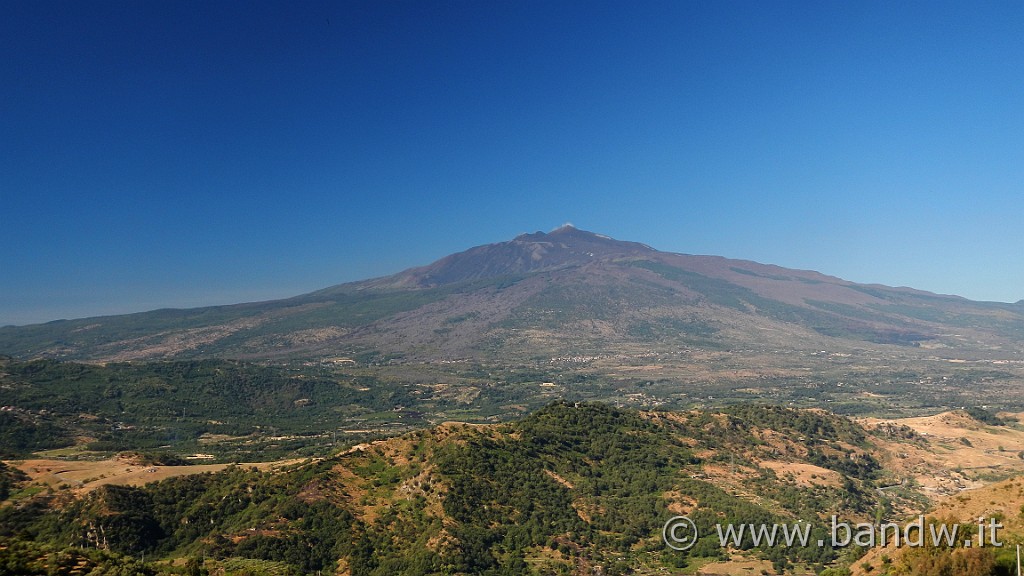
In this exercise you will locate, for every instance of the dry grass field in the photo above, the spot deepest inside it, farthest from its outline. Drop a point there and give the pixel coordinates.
(951, 452)
(82, 476)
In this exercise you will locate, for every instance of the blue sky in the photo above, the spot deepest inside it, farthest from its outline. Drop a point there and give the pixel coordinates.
(157, 154)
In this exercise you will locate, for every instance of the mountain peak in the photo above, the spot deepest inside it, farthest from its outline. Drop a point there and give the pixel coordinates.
(569, 234)
(563, 247)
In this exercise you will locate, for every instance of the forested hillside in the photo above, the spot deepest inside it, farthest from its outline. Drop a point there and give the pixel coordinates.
(570, 488)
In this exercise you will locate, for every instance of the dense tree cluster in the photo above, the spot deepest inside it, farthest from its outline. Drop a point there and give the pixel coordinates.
(148, 406)
(9, 478)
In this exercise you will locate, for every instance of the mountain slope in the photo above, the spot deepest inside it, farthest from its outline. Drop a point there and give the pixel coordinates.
(567, 292)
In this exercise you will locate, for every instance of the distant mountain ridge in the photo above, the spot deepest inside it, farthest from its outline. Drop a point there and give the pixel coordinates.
(538, 295)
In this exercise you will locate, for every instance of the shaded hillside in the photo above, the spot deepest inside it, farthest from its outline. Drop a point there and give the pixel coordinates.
(231, 410)
(565, 490)
(567, 292)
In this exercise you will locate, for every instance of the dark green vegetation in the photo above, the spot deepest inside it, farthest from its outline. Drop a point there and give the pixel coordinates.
(9, 478)
(33, 559)
(176, 514)
(568, 488)
(244, 412)
(259, 412)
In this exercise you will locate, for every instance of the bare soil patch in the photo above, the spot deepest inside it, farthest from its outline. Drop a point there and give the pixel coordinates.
(804, 474)
(83, 476)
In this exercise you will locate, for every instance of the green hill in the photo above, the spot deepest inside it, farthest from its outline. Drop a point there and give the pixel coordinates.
(567, 489)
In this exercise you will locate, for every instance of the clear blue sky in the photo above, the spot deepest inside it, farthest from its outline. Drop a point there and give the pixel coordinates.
(158, 154)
